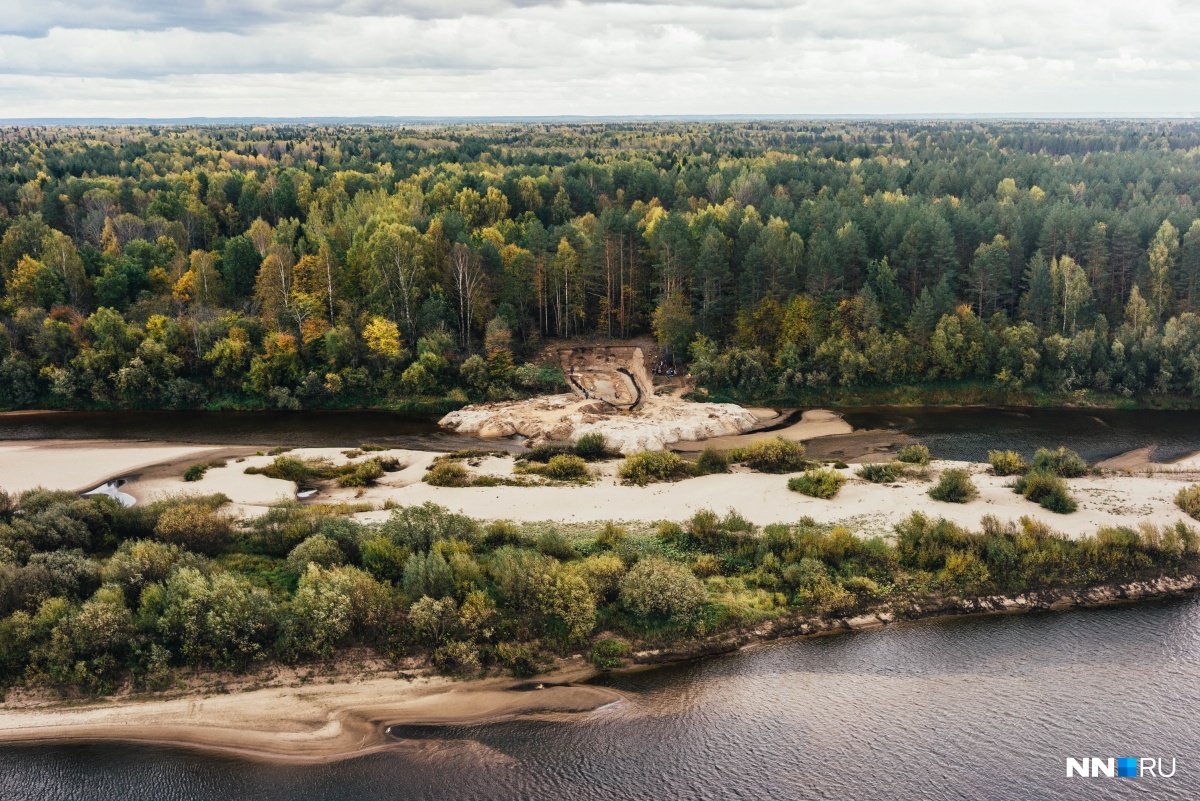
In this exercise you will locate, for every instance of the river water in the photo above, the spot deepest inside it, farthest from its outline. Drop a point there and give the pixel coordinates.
(982, 708)
(966, 433)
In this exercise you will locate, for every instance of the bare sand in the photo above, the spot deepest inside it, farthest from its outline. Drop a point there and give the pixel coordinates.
(80, 465)
(318, 722)
(1121, 497)
(813, 424)
(865, 508)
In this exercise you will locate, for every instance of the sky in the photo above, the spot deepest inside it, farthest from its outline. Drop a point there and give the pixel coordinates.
(298, 58)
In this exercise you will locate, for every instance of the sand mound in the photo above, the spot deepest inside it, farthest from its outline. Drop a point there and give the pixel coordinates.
(655, 424)
(613, 394)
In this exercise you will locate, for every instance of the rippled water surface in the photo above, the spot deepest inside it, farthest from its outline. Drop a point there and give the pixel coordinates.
(314, 429)
(974, 708)
(968, 434)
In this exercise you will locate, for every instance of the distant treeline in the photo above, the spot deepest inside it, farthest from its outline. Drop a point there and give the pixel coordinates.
(290, 265)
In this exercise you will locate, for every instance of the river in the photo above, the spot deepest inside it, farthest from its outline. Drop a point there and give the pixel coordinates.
(981, 708)
(954, 433)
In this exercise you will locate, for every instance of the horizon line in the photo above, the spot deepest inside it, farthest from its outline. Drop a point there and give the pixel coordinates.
(583, 118)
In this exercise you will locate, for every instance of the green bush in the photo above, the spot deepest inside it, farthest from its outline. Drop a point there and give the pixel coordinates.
(879, 472)
(194, 527)
(954, 486)
(1188, 499)
(608, 653)
(650, 466)
(364, 474)
(657, 587)
(551, 543)
(1007, 463)
(914, 454)
(446, 473)
(779, 455)
(1061, 462)
(712, 461)
(591, 446)
(197, 471)
(565, 467)
(823, 483)
(1046, 489)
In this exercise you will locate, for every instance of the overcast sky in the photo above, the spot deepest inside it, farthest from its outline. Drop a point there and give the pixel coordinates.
(171, 58)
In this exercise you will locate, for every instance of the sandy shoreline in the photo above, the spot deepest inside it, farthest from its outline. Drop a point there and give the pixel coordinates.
(310, 723)
(322, 723)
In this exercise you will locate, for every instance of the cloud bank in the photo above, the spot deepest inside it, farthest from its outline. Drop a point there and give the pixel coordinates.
(114, 58)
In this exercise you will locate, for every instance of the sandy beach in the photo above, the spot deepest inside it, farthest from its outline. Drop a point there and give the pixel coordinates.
(153, 470)
(315, 722)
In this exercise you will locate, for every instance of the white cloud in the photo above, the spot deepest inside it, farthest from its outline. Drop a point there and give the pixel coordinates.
(508, 57)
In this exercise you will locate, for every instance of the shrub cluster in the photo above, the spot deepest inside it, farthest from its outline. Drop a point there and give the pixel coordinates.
(651, 466)
(308, 471)
(560, 467)
(914, 454)
(1188, 499)
(817, 483)
(197, 471)
(1007, 463)
(879, 472)
(954, 486)
(1061, 462)
(778, 455)
(1047, 490)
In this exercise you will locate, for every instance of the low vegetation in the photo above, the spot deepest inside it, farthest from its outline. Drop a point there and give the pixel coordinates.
(914, 454)
(879, 472)
(1007, 463)
(1046, 489)
(778, 455)
(1062, 462)
(954, 486)
(309, 471)
(560, 467)
(591, 447)
(817, 483)
(95, 597)
(648, 467)
(197, 471)
(1188, 499)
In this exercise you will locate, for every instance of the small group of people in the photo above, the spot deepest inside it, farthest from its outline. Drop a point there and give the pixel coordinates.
(664, 369)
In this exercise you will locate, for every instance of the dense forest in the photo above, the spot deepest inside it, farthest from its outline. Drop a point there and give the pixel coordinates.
(291, 265)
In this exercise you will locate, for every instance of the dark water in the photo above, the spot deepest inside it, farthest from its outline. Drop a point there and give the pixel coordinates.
(315, 429)
(968, 434)
(965, 709)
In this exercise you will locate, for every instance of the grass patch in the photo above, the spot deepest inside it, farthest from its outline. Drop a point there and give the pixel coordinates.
(954, 486)
(820, 483)
(879, 472)
(308, 471)
(197, 471)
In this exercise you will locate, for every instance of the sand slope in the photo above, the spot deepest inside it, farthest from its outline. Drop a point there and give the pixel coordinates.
(310, 723)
